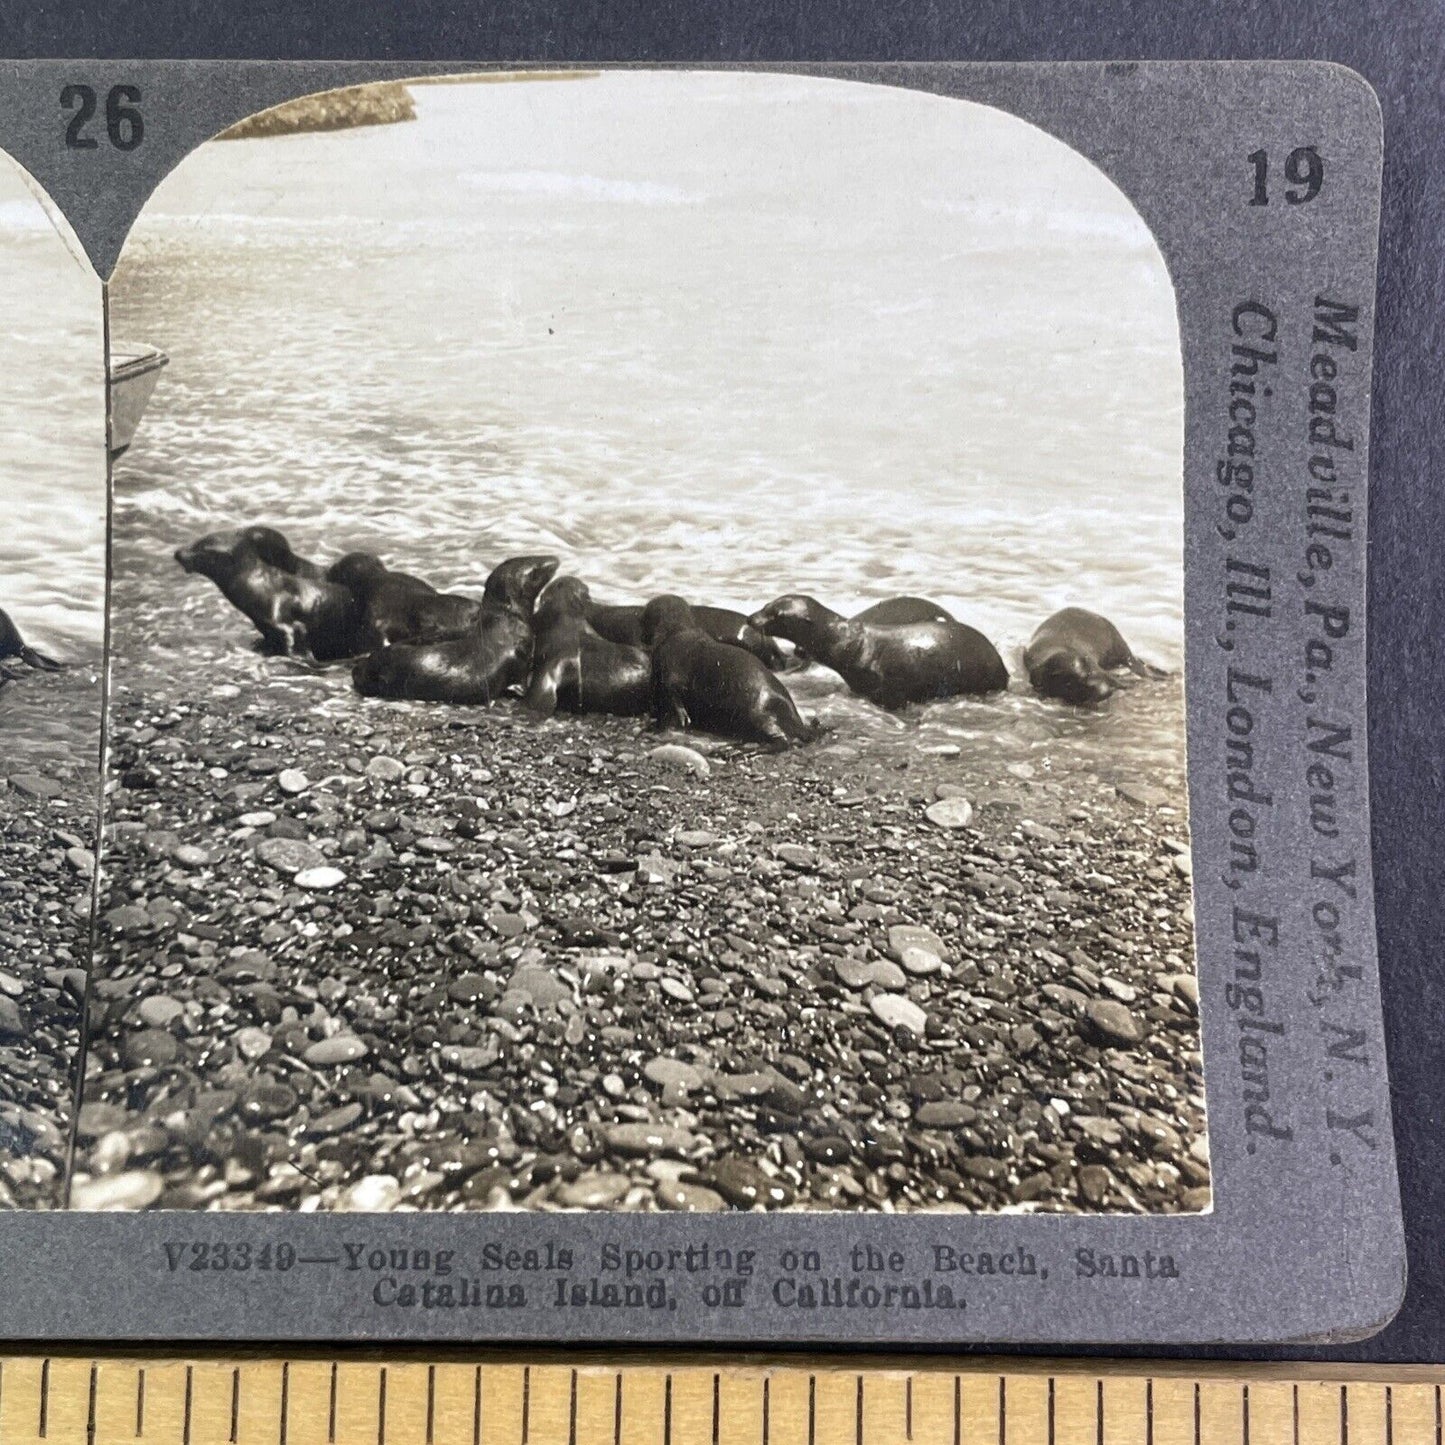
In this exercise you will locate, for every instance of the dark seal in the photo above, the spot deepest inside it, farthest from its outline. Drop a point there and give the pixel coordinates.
(892, 612)
(575, 668)
(623, 623)
(1072, 654)
(889, 664)
(898, 611)
(699, 682)
(287, 598)
(491, 657)
(12, 645)
(399, 607)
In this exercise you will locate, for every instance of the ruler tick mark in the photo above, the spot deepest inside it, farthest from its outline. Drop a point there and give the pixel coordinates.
(858, 1414)
(381, 1410)
(1295, 1415)
(331, 1409)
(1197, 1413)
(44, 1398)
(572, 1412)
(1389, 1416)
(716, 1404)
(285, 1396)
(1344, 1415)
(186, 1409)
(235, 1405)
(477, 1407)
(90, 1406)
(1099, 1411)
(958, 1410)
(1149, 1411)
(1438, 1420)
(767, 1410)
(526, 1402)
(908, 1407)
(140, 1402)
(431, 1404)
(1002, 1410)
(1051, 1410)
(617, 1410)
(667, 1411)
(812, 1410)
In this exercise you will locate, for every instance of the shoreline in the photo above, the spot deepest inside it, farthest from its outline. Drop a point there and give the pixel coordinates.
(393, 956)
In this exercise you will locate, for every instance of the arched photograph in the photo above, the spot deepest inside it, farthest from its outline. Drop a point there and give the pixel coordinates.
(646, 665)
(52, 624)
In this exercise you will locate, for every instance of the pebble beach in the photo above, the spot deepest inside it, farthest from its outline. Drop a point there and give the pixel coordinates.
(48, 799)
(384, 956)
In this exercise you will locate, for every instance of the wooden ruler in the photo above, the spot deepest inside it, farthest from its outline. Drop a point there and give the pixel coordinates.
(76, 1399)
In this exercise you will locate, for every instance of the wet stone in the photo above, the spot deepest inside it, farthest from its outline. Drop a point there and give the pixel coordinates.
(905, 936)
(289, 855)
(945, 1114)
(648, 1139)
(668, 1073)
(252, 1043)
(341, 1049)
(895, 1011)
(133, 1189)
(950, 813)
(149, 1049)
(681, 759)
(159, 1010)
(745, 1186)
(1115, 1026)
(374, 1194)
(593, 1191)
(689, 1198)
(337, 1121)
(320, 880)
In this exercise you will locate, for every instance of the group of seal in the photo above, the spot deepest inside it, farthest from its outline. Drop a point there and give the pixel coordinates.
(14, 646)
(543, 636)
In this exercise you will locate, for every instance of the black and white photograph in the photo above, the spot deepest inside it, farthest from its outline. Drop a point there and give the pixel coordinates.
(646, 665)
(52, 621)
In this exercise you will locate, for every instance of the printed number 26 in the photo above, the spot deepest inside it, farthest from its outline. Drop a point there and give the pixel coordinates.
(1302, 167)
(123, 124)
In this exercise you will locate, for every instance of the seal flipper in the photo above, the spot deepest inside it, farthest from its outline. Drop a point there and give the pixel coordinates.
(541, 695)
(40, 660)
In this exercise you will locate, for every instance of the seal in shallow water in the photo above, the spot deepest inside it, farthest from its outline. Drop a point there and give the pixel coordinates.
(891, 665)
(699, 682)
(1070, 656)
(576, 669)
(623, 623)
(493, 655)
(399, 607)
(288, 599)
(13, 645)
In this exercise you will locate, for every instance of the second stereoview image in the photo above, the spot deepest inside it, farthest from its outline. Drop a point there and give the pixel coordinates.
(629, 689)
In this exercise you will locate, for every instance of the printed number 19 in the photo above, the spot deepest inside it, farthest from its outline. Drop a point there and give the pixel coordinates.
(1302, 167)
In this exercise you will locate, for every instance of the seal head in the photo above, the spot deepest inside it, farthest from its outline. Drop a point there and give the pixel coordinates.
(574, 668)
(287, 598)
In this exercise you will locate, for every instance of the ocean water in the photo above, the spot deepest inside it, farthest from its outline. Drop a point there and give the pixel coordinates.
(52, 478)
(719, 334)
